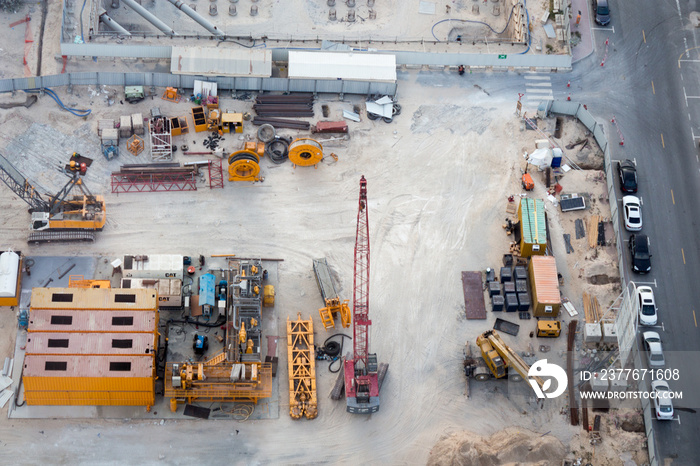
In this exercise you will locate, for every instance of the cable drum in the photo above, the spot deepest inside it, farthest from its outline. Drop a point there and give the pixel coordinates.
(305, 152)
(277, 150)
(243, 166)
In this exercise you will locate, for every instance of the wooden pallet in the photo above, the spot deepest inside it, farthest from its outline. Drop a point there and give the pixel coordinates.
(591, 309)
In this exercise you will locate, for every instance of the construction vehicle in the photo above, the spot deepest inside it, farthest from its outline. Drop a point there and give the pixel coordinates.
(62, 217)
(200, 344)
(497, 360)
(363, 376)
(334, 306)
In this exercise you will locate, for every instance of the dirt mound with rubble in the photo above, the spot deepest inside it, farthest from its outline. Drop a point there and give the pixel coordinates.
(507, 447)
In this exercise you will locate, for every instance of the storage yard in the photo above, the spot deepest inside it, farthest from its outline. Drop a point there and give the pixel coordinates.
(204, 315)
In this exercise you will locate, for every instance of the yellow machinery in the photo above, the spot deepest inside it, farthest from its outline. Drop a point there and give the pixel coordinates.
(217, 380)
(302, 368)
(171, 95)
(497, 360)
(548, 328)
(135, 145)
(244, 165)
(78, 281)
(305, 152)
(269, 296)
(62, 217)
(232, 122)
(334, 307)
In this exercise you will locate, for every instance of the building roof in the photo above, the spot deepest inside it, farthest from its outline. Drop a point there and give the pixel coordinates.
(70, 320)
(221, 61)
(39, 365)
(358, 66)
(544, 272)
(534, 227)
(90, 343)
(94, 298)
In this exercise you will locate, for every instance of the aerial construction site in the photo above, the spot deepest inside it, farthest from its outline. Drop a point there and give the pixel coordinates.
(288, 232)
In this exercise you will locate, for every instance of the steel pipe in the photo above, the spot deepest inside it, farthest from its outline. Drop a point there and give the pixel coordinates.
(151, 18)
(197, 17)
(113, 25)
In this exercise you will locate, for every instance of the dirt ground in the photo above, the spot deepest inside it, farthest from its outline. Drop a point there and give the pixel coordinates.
(438, 190)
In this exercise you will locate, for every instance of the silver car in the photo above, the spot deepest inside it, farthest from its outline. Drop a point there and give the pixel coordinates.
(662, 400)
(652, 346)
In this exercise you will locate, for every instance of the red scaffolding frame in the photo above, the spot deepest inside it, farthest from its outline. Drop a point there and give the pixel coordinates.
(216, 174)
(139, 182)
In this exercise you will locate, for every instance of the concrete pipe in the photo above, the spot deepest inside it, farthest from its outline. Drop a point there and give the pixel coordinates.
(372, 14)
(150, 17)
(331, 14)
(370, 3)
(253, 10)
(198, 18)
(350, 3)
(331, 2)
(232, 10)
(351, 16)
(212, 10)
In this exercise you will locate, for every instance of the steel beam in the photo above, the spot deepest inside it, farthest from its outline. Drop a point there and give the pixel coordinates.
(150, 17)
(197, 17)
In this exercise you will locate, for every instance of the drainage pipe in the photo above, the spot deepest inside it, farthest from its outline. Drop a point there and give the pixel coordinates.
(113, 25)
(197, 17)
(150, 17)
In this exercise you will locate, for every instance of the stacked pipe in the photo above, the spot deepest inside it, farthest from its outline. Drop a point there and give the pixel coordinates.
(292, 105)
(282, 123)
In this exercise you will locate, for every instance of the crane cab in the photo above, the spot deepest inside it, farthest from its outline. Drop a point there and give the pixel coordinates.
(40, 221)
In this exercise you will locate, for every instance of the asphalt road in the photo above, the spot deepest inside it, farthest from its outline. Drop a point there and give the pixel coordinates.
(642, 85)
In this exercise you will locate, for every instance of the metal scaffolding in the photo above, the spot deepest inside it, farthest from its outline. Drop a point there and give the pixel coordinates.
(161, 139)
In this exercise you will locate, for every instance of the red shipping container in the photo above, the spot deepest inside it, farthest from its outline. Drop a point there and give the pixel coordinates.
(331, 127)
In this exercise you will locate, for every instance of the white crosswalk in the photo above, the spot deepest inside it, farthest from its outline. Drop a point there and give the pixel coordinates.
(538, 88)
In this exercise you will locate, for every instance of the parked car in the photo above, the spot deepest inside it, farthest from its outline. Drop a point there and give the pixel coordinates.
(646, 306)
(639, 248)
(662, 400)
(628, 176)
(632, 209)
(602, 12)
(652, 346)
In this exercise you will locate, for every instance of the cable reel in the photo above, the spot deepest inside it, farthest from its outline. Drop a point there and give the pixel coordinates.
(244, 165)
(305, 152)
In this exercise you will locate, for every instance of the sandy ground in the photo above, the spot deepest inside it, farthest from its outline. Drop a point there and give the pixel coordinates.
(437, 187)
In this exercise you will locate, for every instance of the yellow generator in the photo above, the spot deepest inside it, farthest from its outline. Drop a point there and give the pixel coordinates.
(548, 328)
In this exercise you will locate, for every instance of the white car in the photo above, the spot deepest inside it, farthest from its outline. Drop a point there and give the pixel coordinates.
(652, 346)
(646, 306)
(662, 400)
(632, 209)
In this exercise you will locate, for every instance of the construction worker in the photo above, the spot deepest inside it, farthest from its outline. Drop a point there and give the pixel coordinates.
(460, 70)
(578, 18)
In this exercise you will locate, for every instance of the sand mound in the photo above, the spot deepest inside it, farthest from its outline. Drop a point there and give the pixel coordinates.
(510, 446)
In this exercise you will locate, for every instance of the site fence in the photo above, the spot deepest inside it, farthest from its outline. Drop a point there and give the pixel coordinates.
(629, 349)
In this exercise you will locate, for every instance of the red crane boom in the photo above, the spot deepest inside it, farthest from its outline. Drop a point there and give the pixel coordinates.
(361, 381)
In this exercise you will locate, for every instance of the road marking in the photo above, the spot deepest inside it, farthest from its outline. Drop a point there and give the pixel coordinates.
(647, 283)
(605, 29)
(641, 201)
(679, 419)
(653, 91)
(539, 76)
(683, 253)
(673, 198)
(644, 36)
(662, 141)
(685, 96)
(694, 319)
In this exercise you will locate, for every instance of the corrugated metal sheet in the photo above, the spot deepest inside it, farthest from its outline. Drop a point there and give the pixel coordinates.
(68, 398)
(94, 298)
(342, 65)
(97, 384)
(90, 343)
(545, 285)
(40, 320)
(115, 50)
(221, 61)
(534, 229)
(88, 366)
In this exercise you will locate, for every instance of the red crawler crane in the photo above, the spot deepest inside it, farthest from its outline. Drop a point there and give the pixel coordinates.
(361, 379)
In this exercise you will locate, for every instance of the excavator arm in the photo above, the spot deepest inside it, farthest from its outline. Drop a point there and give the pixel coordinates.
(511, 358)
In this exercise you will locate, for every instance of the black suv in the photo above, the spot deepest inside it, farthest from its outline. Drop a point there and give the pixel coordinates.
(639, 248)
(628, 176)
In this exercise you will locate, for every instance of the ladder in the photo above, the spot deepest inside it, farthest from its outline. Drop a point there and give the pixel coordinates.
(216, 175)
(326, 317)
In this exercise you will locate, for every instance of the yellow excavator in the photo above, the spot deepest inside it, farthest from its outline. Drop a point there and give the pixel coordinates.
(497, 360)
(62, 217)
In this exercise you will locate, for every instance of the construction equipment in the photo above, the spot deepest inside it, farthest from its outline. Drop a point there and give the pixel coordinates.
(548, 328)
(497, 360)
(79, 281)
(334, 306)
(244, 165)
(200, 344)
(363, 377)
(62, 217)
(302, 368)
(527, 181)
(135, 145)
(305, 152)
(23, 319)
(171, 95)
(109, 142)
(133, 94)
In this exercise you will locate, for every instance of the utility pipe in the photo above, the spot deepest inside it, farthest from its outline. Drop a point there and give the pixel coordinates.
(197, 17)
(151, 18)
(113, 25)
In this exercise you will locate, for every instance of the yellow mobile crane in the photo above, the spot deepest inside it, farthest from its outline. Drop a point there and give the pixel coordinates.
(62, 217)
(497, 360)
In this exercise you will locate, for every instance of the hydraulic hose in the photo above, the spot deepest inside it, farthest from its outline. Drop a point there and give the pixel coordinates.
(339, 353)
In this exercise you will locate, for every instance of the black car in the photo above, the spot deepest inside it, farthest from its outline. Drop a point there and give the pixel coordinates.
(639, 248)
(628, 176)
